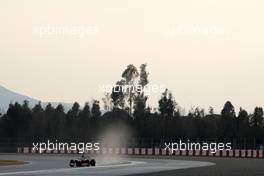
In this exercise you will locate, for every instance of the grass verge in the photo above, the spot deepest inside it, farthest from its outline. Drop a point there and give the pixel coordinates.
(10, 162)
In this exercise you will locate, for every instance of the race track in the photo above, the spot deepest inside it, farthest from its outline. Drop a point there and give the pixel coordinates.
(223, 167)
(108, 166)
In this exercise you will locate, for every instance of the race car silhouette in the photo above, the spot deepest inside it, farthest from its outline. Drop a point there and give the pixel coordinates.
(83, 161)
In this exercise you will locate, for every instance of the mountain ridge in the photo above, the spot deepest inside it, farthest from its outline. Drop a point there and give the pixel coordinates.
(8, 96)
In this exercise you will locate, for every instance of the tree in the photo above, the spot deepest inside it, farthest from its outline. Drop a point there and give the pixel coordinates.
(198, 113)
(18, 120)
(117, 95)
(37, 125)
(139, 105)
(86, 112)
(228, 110)
(243, 116)
(74, 111)
(242, 123)
(96, 109)
(72, 119)
(49, 113)
(257, 118)
(108, 103)
(12, 120)
(59, 120)
(143, 76)
(167, 104)
(140, 98)
(37, 108)
(129, 75)
(211, 110)
(228, 123)
(83, 123)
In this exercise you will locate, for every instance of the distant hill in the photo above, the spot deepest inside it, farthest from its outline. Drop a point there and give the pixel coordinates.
(8, 96)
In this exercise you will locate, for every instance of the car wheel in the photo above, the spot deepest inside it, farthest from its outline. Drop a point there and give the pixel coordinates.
(92, 162)
(72, 163)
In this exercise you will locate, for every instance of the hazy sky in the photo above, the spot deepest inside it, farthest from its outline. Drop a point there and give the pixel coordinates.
(205, 52)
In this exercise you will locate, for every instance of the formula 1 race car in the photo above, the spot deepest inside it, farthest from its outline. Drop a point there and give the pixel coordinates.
(83, 161)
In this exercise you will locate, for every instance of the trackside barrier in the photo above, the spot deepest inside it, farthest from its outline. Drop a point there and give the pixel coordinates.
(143, 151)
(137, 151)
(154, 152)
(130, 151)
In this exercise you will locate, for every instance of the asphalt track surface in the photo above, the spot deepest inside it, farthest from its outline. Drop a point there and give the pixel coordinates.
(222, 167)
(107, 166)
(136, 166)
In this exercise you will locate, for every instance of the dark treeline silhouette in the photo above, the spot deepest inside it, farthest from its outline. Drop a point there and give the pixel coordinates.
(22, 125)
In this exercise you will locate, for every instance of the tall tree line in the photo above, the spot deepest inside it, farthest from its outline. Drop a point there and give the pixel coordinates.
(22, 125)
